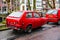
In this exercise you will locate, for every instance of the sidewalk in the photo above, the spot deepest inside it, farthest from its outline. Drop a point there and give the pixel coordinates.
(3, 27)
(2, 24)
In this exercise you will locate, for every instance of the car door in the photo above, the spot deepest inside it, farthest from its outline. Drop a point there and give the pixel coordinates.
(37, 19)
(29, 19)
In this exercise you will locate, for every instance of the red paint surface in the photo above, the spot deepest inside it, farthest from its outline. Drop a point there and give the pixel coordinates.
(23, 22)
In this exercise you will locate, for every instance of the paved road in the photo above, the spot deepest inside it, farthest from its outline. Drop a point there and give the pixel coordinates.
(4, 35)
(46, 34)
(51, 34)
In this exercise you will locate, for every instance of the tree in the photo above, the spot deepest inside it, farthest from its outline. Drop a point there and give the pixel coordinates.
(34, 4)
(49, 4)
(53, 3)
(29, 8)
(8, 1)
(52, 6)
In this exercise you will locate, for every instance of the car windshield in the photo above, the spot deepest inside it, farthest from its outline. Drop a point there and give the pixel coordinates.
(16, 14)
(52, 12)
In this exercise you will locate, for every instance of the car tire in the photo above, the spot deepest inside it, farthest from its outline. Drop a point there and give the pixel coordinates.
(29, 29)
(58, 22)
(47, 22)
(15, 31)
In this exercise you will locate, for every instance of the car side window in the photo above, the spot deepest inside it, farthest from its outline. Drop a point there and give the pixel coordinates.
(36, 15)
(29, 15)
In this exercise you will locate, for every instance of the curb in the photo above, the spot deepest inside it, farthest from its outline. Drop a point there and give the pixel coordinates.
(5, 29)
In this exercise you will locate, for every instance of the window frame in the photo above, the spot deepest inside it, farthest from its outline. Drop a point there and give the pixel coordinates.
(4, 8)
(28, 13)
(38, 14)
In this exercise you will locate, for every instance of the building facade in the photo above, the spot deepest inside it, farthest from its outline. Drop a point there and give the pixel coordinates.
(47, 7)
(39, 5)
(3, 7)
(24, 5)
(57, 4)
(14, 5)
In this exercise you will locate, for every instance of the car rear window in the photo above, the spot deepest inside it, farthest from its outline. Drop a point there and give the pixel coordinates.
(16, 14)
(52, 12)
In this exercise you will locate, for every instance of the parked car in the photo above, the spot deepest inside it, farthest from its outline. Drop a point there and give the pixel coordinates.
(25, 20)
(53, 15)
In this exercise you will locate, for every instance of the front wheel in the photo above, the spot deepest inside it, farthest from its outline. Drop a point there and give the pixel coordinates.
(47, 22)
(29, 29)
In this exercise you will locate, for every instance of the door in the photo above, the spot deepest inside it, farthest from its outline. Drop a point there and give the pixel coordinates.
(29, 19)
(37, 20)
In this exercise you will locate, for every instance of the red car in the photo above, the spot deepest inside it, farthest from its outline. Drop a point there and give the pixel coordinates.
(53, 15)
(26, 20)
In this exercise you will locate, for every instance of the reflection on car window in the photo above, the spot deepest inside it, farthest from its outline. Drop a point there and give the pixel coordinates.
(36, 15)
(52, 12)
(29, 15)
(16, 14)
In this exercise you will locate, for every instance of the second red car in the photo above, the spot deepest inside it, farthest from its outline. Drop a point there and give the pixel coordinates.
(53, 15)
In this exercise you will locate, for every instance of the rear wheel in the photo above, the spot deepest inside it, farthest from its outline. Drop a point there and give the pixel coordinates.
(47, 22)
(29, 29)
(15, 31)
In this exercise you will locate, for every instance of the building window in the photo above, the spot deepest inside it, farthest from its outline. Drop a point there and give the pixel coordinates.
(22, 1)
(3, 8)
(23, 7)
(4, 1)
(27, 7)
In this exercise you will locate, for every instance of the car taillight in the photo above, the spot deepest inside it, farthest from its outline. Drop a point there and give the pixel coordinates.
(51, 15)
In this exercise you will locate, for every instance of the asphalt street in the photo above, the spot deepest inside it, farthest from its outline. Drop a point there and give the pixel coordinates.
(36, 34)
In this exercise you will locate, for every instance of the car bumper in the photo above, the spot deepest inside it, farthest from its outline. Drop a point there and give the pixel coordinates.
(52, 20)
(14, 27)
